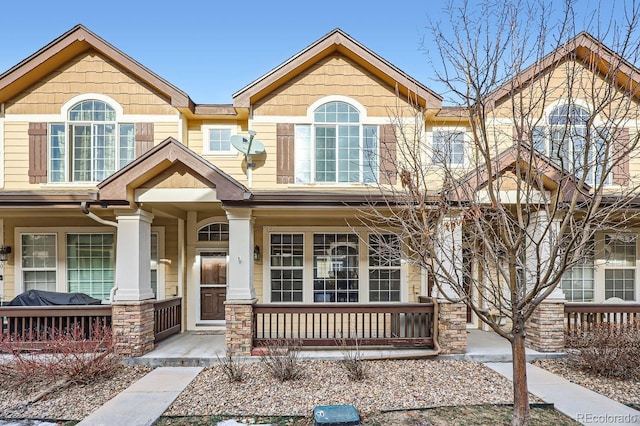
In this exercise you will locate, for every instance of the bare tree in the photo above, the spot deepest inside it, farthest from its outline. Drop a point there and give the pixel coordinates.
(505, 194)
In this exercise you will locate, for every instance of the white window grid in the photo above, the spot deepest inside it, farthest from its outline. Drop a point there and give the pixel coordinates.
(39, 261)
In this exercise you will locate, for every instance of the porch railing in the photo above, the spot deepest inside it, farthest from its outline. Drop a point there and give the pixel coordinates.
(32, 324)
(581, 317)
(167, 318)
(409, 324)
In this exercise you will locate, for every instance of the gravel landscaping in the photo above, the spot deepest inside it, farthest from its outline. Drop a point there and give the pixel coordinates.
(391, 385)
(72, 403)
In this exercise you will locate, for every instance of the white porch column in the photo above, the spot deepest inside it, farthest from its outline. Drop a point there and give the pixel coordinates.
(133, 256)
(449, 239)
(240, 275)
(544, 234)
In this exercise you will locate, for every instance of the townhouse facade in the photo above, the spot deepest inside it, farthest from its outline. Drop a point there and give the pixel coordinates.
(116, 184)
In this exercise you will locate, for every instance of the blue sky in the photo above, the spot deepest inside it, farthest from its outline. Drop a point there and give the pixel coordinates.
(210, 49)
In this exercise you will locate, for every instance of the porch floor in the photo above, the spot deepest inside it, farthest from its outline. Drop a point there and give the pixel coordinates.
(203, 349)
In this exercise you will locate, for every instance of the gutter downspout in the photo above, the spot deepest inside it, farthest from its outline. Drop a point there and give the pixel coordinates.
(85, 209)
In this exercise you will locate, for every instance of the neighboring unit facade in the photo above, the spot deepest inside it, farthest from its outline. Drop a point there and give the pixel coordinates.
(116, 184)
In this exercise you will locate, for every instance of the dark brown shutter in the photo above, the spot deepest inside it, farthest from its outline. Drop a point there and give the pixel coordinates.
(388, 142)
(144, 138)
(285, 153)
(621, 148)
(37, 152)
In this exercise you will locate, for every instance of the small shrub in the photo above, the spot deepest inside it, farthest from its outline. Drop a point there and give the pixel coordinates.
(356, 368)
(232, 368)
(608, 350)
(66, 358)
(282, 359)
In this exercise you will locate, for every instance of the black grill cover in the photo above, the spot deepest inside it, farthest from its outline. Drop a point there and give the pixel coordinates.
(47, 298)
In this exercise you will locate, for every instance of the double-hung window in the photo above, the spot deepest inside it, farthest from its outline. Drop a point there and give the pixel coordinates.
(39, 261)
(578, 282)
(91, 145)
(620, 267)
(286, 258)
(384, 268)
(572, 143)
(337, 147)
(448, 147)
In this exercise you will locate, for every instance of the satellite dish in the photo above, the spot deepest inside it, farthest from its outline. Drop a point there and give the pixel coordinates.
(248, 146)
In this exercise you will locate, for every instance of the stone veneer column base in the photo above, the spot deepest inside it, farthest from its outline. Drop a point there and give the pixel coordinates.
(452, 327)
(239, 326)
(132, 324)
(545, 328)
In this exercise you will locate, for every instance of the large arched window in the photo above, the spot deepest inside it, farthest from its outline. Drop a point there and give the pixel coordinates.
(90, 145)
(337, 147)
(572, 141)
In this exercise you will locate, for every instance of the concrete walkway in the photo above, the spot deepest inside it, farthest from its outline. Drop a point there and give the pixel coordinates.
(192, 349)
(147, 399)
(142, 403)
(577, 402)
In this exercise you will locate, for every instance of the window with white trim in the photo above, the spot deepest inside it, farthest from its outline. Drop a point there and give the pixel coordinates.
(91, 264)
(332, 265)
(578, 282)
(335, 267)
(217, 140)
(384, 268)
(448, 147)
(38, 261)
(337, 147)
(90, 145)
(286, 259)
(86, 259)
(620, 267)
(572, 143)
(154, 263)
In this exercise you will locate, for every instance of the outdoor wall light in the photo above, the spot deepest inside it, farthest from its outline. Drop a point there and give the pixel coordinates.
(256, 253)
(4, 253)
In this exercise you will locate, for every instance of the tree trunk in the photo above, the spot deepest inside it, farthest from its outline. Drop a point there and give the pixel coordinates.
(521, 411)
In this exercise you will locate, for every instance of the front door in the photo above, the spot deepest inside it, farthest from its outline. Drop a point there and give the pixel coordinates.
(213, 285)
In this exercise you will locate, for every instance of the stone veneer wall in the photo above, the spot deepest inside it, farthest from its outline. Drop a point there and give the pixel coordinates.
(132, 326)
(545, 328)
(239, 323)
(452, 327)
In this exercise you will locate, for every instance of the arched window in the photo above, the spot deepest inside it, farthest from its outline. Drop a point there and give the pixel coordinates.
(214, 232)
(337, 147)
(571, 141)
(90, 145)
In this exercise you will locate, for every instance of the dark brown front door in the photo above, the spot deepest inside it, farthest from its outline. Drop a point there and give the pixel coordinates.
(212, 303)
(213, 285)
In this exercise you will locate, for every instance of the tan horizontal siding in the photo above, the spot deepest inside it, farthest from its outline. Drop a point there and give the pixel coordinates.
(170, 253)
(163, 130)
(16, 155)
